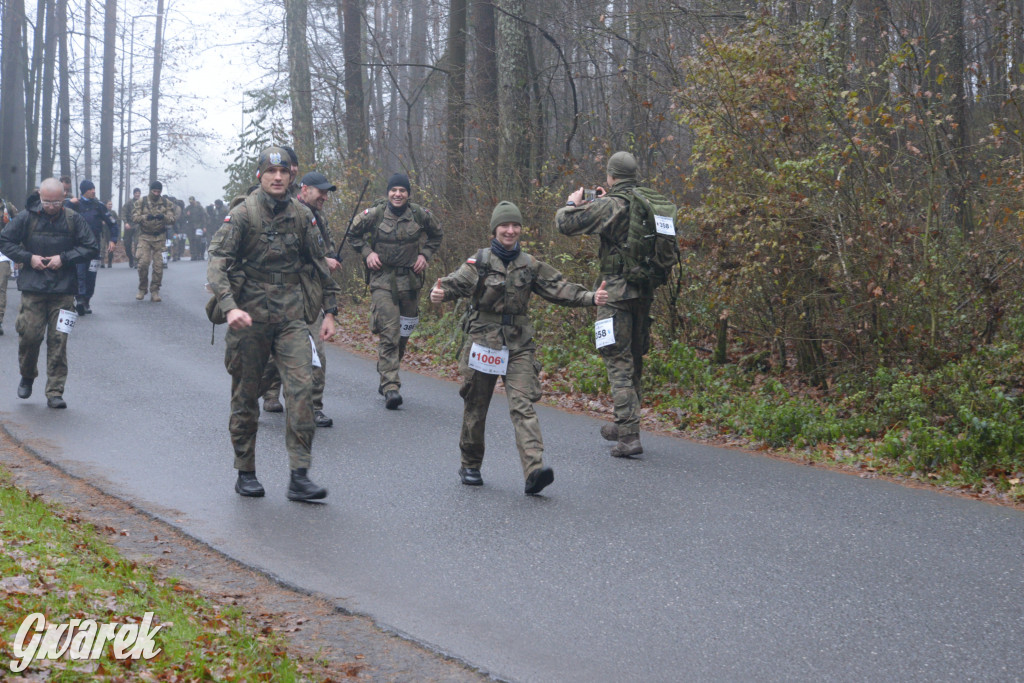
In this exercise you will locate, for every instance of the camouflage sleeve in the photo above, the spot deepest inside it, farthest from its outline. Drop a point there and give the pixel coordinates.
(551, 286)
(314, 247)
(434, 236)
(138, 213)
(358, 237)
(462, 282)
(592, 218)
(224, 254)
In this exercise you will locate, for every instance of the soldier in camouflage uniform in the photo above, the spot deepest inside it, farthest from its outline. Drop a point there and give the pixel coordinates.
(500, 280)
(7, 214)
(628, 306)
(268, 273)
(128, 230)
(396, 239)
(48, 240)
(152, 216)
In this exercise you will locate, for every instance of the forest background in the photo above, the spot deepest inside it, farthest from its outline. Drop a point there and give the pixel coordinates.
(850, 177)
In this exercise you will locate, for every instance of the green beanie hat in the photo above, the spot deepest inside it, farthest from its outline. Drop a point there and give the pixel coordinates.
(505, 212)
(622, 165)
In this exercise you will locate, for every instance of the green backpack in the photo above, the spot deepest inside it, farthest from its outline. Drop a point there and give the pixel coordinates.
(651, 248)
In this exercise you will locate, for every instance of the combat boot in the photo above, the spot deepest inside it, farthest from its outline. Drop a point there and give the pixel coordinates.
(25, 387)
(392, 399)
(538, 479)
(610, 432)
(301, 488)
(272, 405)
(627, 447)
(141, 295)
(155, 296)
(248, 485)
(470, 476)
(321, 420)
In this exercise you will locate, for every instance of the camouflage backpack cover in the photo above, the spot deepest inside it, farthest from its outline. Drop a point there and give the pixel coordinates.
(651, 248)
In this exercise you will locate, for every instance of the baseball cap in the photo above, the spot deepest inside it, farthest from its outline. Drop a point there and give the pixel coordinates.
(319, 181)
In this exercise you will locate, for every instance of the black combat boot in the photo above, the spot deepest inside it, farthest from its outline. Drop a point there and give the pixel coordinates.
(301, 488)
(471, 476)
(25, 387)
(538, 479)
(392, 399)
(321, 420)
(248, 485)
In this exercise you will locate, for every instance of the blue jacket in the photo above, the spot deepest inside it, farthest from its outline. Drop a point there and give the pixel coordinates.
(96, 215)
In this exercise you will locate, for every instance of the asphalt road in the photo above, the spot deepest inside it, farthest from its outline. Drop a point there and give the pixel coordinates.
(694, 563)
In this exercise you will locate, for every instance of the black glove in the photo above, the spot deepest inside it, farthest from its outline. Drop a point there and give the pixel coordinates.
(150, 217)
(159, 216)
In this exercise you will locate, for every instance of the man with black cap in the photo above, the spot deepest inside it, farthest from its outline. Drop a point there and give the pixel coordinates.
(628, 307)
(96, 217)
(270, 278)
(152, 216)
(128, 231)
(396, 238)
(312, 194)
(195, 222)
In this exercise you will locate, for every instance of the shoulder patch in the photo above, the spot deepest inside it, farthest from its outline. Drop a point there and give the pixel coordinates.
(366, 212)
(471, 261)
(227, 219)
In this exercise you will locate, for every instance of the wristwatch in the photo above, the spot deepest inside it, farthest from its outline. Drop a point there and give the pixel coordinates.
(570, 203)
(332, 311)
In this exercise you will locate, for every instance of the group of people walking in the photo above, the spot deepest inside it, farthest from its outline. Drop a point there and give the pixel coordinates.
(269, 271)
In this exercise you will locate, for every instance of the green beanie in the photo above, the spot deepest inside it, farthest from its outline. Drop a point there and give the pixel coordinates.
(622, 165)
(505, 212)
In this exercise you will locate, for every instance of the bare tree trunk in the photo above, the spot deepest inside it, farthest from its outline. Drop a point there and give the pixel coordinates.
(351, 11)
(417, 74)
(64, 104)
(107, 99)
(515, 100)
(456, 102)
(87, 92)
(54, 24)
(154, 114)
(13, 69)
(485, 89)
(299, 82)
(34, 89)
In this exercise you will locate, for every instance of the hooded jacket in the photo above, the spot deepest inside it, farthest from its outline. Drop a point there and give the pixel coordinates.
(96, 215)
(34, 232)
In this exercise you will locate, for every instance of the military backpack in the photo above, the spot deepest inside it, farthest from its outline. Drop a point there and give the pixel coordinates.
(651, 248)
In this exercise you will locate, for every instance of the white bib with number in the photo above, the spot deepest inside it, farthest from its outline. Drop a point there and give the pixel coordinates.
(604, 332)
(94, 265)
(407, 325)
(199, 232)
(66, 321)
(664, 225)
(487, 360)
(316, 356)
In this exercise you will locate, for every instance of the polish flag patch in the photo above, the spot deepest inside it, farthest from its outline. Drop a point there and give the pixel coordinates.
(227, 219)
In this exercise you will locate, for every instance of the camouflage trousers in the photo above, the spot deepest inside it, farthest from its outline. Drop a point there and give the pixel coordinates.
(522, 387)
(36, 318)
(150, 249)
(385, 321)
(270, 385)
(248, 351)
(624, 360)
(5, 276)
(128, 239)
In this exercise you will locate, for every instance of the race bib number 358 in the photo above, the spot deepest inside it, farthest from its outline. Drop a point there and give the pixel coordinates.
(664, 225)
(488, 361)
(604, 332)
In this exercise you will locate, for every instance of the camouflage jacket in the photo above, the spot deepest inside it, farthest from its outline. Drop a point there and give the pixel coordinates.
(152, 205)
(500, 317)
(398, 240)
(259, 271)
(608, 218)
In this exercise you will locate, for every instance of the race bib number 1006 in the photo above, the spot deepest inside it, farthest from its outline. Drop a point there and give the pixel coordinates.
(488, 361)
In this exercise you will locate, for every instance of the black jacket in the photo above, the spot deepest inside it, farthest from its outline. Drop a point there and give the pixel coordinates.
(96, 215)
(34, 232)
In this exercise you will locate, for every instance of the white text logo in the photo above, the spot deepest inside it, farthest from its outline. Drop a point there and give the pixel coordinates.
(82, 639)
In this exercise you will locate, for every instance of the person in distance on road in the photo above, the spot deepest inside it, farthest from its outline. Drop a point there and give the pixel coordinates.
(152, 215)
(48, 240)
(269, 242)
(500, 279)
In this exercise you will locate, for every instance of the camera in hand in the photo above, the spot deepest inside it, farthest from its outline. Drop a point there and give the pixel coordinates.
(589, 195)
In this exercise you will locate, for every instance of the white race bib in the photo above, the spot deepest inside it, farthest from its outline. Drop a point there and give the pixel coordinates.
(316, 356)
(66, 321)
(664, 225)
(94, 265)
(604, 332)
(168, 243)
(199, 232)
(487, 360)
(407, 325)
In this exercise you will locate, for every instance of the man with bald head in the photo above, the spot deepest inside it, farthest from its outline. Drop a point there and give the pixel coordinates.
(48, 240)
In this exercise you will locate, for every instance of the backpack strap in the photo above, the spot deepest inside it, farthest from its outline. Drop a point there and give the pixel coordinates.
(481, 275)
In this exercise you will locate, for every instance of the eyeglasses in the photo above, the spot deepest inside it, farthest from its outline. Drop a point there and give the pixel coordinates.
(55, 202)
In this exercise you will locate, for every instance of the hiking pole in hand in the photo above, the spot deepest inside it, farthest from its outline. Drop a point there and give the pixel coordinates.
(337, 257)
